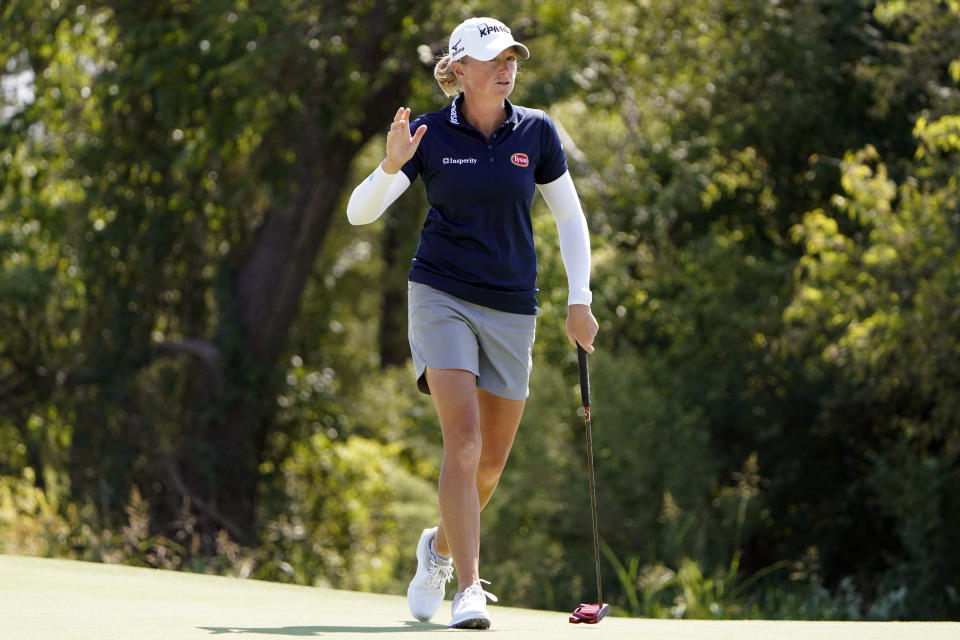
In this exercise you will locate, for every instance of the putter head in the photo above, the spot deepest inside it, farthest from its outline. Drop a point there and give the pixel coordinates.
(589, 613)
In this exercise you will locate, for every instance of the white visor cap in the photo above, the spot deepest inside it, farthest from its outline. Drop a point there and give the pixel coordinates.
(483, 39)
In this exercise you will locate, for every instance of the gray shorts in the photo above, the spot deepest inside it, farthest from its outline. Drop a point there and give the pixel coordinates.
(446, 332)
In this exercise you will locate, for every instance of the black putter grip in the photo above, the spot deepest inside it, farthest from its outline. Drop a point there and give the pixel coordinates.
(584, 376)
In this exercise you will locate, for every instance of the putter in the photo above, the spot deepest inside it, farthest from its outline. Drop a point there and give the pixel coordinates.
(590, 613)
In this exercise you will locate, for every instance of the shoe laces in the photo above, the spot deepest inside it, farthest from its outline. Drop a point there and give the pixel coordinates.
(476, 590)
(438, 575)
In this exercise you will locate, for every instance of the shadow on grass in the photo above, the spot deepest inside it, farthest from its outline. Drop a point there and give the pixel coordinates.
(319, 631)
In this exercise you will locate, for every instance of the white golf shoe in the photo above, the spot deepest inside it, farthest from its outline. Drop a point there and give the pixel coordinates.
(470, 608)
(428, 587)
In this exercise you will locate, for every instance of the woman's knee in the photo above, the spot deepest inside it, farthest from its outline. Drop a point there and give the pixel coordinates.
(488, 477)
(462, 449)
(490, 467)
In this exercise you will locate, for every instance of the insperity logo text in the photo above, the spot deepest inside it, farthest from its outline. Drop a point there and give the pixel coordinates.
(459, 161)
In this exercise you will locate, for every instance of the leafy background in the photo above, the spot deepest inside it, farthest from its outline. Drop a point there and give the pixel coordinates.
(204, 367)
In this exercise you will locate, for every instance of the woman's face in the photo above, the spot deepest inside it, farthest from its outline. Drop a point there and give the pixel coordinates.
(493, 78)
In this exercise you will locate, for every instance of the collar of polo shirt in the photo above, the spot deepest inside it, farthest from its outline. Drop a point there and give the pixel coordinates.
(512, 116)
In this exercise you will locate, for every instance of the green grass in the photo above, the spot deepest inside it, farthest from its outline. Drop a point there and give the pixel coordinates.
(43, 599)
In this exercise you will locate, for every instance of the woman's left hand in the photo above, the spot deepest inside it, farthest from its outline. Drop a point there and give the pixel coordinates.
(582, 327)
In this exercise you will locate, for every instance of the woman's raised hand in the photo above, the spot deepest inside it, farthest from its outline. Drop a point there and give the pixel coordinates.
(400, 144)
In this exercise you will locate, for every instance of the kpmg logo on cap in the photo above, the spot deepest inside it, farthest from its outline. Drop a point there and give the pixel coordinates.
(490, 29)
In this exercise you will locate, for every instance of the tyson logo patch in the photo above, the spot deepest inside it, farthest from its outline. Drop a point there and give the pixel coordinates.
(520, 159)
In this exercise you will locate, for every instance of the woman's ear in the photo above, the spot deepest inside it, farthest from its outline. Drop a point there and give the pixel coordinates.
(457, 67)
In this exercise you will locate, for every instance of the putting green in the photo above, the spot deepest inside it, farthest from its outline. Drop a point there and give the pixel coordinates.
(43, 599)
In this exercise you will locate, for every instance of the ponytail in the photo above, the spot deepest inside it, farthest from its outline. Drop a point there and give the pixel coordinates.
(448, 81)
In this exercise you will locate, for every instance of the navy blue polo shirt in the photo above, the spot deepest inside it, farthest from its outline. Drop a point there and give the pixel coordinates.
(477, 239)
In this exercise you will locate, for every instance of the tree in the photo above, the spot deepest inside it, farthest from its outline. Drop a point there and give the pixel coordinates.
(209, 144)
(874, 309)
(188, 323)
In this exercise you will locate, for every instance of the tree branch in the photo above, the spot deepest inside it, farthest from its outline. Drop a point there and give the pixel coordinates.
(201, 505)
(203, 350)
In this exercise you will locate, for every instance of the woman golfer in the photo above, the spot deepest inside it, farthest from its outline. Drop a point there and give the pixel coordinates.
(472, 289)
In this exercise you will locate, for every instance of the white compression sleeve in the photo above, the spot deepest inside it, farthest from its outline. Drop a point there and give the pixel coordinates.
(372, 196)
(561, 196)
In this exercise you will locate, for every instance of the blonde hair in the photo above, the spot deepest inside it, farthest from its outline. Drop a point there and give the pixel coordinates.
(446, 78)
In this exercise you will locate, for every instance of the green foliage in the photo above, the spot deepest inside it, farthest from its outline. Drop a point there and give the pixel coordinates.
(772, 193)
(30, 519)
(44, 522)
(350, 515)
(341, 508)
(862, 300)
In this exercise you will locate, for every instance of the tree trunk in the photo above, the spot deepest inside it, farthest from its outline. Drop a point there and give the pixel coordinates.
(221, 469)
(393, 311)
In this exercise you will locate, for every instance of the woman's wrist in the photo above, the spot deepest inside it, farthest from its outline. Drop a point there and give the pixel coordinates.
(389, 167)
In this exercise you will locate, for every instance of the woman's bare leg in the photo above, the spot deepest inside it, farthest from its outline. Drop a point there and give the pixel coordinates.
(470, 419)
(454, 394)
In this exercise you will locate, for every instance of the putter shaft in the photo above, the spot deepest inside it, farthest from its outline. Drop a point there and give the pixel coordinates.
(585, 397)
